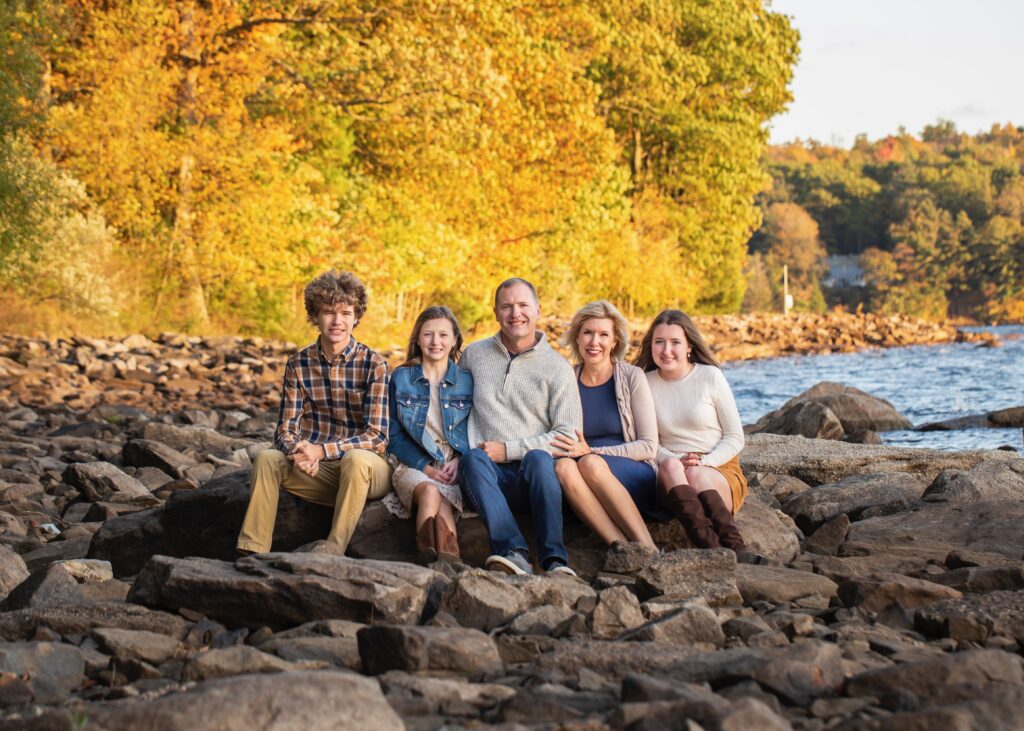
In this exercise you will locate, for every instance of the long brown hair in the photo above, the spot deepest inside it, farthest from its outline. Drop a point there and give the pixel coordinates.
(699, 350)
(414, 354)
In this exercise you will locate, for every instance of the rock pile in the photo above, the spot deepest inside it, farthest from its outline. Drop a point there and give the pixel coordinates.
(893, 599)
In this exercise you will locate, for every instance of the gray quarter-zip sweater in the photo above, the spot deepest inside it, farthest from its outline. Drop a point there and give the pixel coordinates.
(523, 401)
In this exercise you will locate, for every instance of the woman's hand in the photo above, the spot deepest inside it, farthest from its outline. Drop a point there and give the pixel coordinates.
(569, 447)
(691, 459)
(451, 471)
(436, 474)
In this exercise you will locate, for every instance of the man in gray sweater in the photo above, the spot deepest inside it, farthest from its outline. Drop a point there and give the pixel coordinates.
(525, 394)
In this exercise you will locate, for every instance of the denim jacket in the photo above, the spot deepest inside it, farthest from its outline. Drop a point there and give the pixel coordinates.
(408, 402)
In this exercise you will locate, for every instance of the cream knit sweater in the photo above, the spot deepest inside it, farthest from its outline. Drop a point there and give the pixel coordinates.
(697, 413)
(523, 401)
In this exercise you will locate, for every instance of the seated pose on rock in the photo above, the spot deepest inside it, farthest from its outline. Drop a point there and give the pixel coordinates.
(608, 471)
(699, 431)
(333, 424)
(430, 399)
(524, 396)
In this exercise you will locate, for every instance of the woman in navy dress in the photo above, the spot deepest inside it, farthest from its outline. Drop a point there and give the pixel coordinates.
(608, 472)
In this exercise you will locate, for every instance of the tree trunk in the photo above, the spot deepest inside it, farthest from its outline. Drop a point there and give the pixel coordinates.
(183, 239)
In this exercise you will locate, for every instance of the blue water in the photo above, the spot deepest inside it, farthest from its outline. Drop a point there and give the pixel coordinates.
(924, 382)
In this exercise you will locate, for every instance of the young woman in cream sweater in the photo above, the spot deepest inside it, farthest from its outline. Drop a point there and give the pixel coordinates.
(699, 432)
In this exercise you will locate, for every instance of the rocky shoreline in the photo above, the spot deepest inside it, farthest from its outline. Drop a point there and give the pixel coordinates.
(894, 598)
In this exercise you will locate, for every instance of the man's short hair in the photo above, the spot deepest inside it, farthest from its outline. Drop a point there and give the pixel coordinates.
(333, 288)
(515, 280)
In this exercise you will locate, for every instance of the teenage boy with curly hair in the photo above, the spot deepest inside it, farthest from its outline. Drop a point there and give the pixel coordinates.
(333, 424)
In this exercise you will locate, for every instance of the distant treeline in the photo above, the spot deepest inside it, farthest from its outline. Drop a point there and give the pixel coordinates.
(192, 164)
(937, 223)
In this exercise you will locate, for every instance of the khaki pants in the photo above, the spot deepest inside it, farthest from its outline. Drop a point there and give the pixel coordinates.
(345, 484)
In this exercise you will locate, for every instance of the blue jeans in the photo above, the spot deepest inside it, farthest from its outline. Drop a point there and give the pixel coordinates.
(496, 491)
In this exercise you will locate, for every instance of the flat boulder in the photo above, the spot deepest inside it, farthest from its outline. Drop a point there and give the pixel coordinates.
(98, 481)
(52, 669)
(312, 701)
(205, 523)
(852, 496)
(875, 592)
(81, 619)
(975, 617)
(452, 649)
(282, 589)
(975, 510)
(933, 678)
(692, 573)
(824, 461)
(777, 584)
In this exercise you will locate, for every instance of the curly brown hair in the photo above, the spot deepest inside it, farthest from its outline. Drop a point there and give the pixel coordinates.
(333, 288)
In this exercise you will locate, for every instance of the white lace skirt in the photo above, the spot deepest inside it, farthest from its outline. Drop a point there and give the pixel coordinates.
(405, 479)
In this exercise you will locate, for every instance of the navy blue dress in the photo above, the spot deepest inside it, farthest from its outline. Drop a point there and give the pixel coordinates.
(602, 427)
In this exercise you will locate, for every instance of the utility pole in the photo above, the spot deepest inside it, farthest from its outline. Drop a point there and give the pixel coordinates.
(787, 298)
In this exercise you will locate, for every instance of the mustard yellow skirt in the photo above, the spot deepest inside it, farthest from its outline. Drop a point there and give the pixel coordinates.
(737, 482)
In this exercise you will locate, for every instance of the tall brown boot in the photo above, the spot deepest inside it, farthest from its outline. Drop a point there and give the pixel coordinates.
(426, 543)
(446, 540)
(725, 525)
(682, 500)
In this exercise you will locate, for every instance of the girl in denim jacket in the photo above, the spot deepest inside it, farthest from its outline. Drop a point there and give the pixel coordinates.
(429, 402)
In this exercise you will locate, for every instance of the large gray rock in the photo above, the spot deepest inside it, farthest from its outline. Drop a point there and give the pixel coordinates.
(830, 410)
(935, 677)
(12, 570)
(1001, 419)
(468, 651)
(875, 592)
(54, 585)
(690, 623)
(980, 509)
(693, 573)
(767, 531)
(852, 496)
(53, 669)
(197, 438)
(81, 619)
(976, 617)
(617, 610)
(127, 644)
(296, 701)
(227, 661)
(822, 461)
(484, 600)
(103, 481)
(289, 589)
(776, 584)
(147, 453)
(203, 522)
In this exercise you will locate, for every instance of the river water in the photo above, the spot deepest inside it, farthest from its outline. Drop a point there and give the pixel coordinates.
(924, 382)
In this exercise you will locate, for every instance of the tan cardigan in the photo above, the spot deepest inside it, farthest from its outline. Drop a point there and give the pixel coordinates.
(636, 411)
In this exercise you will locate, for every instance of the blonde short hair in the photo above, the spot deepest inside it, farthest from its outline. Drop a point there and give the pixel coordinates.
(592, 311)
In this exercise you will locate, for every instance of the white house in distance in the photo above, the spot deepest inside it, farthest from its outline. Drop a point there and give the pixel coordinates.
(844, 270)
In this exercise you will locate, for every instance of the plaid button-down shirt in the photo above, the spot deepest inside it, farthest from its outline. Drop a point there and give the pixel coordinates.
(342, 405)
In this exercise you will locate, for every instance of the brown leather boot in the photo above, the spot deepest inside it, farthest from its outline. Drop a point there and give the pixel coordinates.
(426, 543)
(447, 541)
(725, 525)
(682, 500)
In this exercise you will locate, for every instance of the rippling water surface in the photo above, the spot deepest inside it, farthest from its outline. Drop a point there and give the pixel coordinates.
(924, 382)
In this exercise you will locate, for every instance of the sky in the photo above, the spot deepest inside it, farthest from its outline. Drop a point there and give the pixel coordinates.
(871, 66)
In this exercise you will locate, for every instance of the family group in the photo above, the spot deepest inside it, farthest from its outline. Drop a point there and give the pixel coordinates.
(503, 427)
